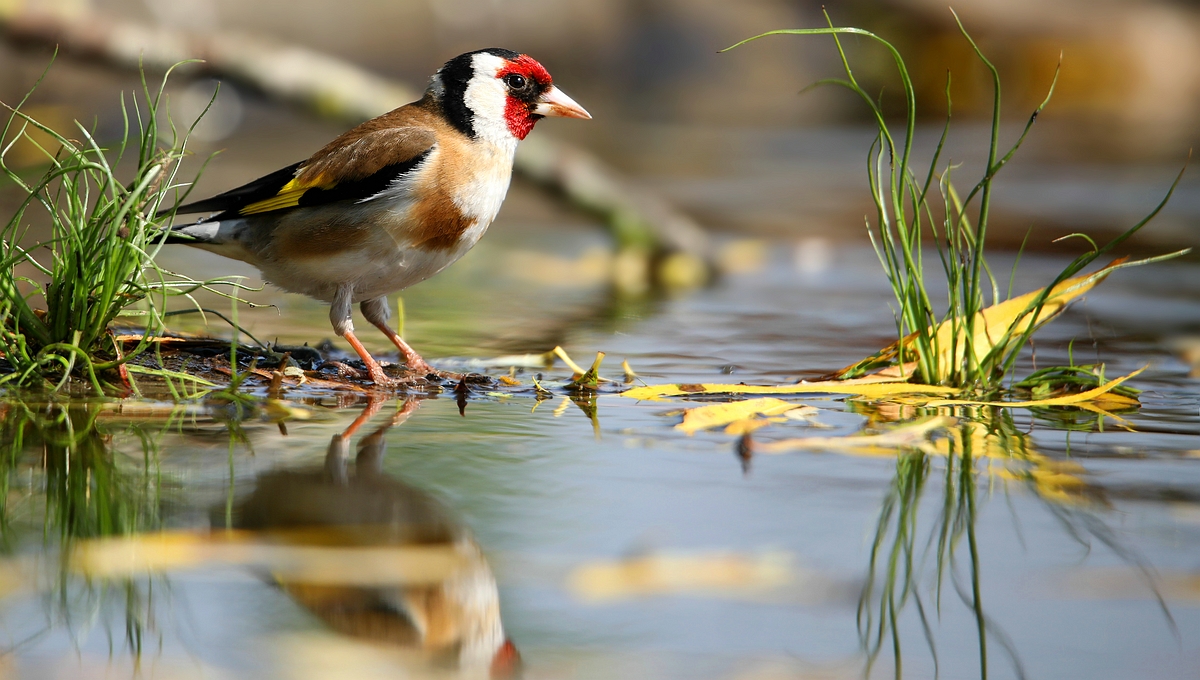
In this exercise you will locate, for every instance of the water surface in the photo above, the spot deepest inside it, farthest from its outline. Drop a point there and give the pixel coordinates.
(609, 543)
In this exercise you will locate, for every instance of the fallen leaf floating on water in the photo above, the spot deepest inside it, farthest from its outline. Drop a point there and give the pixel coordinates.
(715, 415)
(720, 573)
(630, 376)
(1094, 394)
(992, 325)
(591, 379)
(894, 389)
(869, 387)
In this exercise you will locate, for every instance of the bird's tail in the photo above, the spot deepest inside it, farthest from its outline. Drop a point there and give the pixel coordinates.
(201, 233)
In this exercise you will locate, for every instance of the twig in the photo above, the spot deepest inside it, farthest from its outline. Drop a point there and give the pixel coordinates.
(334, 88)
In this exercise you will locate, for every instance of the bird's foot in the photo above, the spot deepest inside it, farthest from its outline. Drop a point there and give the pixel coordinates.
(373, 373)
(382, 379)
(420, 367)
(413, 361)
(345, 370)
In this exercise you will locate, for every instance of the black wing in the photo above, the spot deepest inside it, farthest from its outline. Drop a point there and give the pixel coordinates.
(231, 201)
(343, 171)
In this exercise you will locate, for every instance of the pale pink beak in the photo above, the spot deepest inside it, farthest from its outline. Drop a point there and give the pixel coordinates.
(556, 103)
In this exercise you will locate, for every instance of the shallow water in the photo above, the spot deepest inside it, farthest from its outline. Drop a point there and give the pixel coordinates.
(619, 547)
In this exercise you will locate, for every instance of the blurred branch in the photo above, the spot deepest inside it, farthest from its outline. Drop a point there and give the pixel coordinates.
(333, 88)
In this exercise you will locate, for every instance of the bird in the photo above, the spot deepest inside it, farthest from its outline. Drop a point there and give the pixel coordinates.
(390, 202)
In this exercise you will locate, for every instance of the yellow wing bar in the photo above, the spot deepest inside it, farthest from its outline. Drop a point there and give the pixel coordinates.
(288, 197)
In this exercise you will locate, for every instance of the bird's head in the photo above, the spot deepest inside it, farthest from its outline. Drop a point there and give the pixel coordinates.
(498, 94)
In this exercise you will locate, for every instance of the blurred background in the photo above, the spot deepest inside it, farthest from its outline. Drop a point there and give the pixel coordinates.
(778, 179)
(728, 137)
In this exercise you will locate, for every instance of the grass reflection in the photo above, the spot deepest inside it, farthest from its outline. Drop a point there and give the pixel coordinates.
(901, 552)
(88, 532)
(92, 489)
(89, 489)
(916, 554)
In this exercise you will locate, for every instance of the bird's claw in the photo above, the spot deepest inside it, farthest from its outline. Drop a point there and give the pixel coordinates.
(346, 371)
(373, 373)
(381, 379)
(419, 367)
(376, 375)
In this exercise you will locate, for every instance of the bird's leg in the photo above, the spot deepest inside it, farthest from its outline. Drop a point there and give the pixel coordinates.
(374, 370)
(340, 316)
(377, 312)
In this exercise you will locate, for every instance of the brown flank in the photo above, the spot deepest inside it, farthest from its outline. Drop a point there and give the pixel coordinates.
(304, 239)
(436, 223)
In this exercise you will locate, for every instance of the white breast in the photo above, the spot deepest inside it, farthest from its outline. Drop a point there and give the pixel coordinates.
(487, 183)
(481, 196)
(394, 266)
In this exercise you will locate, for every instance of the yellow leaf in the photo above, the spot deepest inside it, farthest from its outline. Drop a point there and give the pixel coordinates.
(715, 415)
(591, 378)
(1111, 400)
(1065, 400)
(999, 323)
(630, 376)
(866, 387)
(562, 354)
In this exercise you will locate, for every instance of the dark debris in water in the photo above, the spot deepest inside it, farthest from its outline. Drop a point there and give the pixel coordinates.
(290, 368)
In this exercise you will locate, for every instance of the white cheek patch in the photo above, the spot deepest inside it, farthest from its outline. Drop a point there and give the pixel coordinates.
(486, 97)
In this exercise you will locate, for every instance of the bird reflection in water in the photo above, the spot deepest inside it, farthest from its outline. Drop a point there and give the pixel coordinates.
(452, 618)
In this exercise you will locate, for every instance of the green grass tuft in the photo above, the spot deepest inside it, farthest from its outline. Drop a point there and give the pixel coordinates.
(907, 221)
(58, 296)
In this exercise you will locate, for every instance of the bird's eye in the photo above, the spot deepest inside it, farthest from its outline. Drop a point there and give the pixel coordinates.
(515, 81)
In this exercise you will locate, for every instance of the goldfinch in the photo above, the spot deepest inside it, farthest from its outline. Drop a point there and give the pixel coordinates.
(391, 202)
